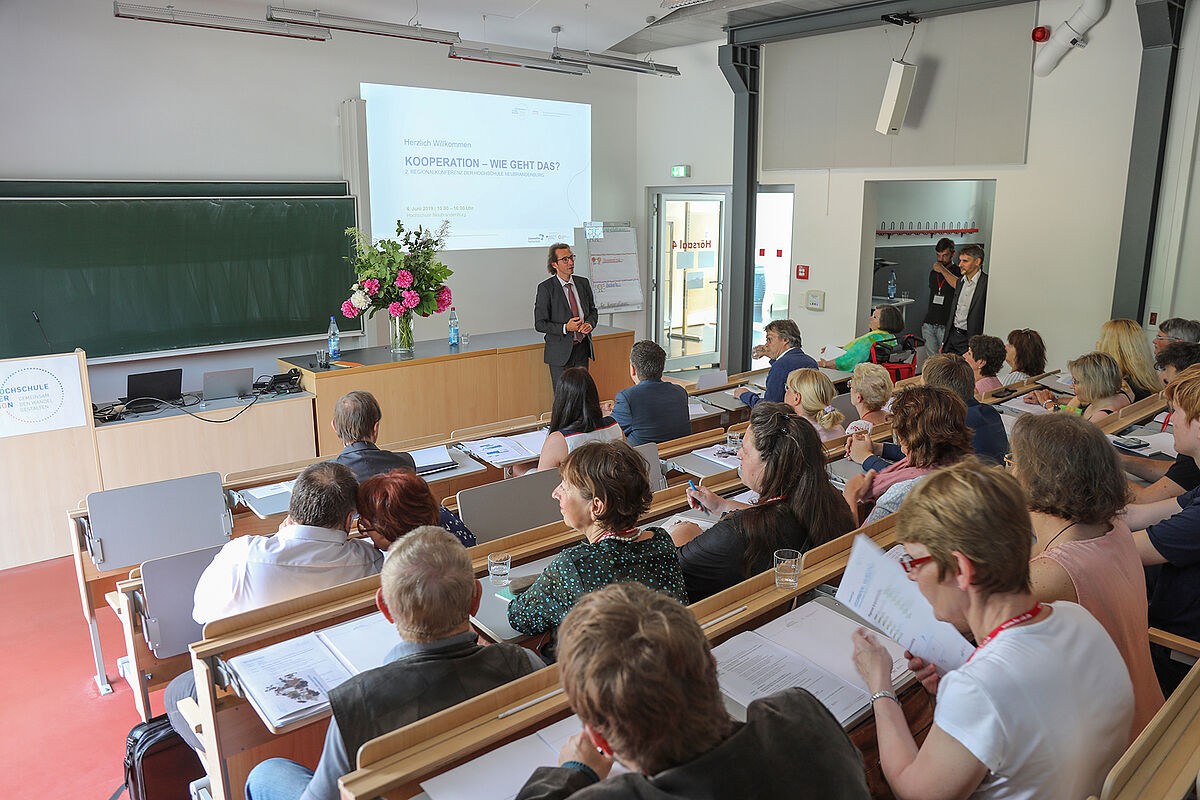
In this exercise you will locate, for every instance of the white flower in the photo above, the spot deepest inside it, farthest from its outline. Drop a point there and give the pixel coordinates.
(354, 288)
(359, 300)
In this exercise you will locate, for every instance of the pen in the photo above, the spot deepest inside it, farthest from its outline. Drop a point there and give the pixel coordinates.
(530, 704)
(724, 617)
(692, 486)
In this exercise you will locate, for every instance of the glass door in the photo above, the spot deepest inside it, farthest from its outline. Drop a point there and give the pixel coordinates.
(689, 270)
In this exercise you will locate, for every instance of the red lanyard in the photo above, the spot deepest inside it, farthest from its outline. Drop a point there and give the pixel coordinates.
(1167, 420)
(941, 283)
(1003, 626)
(627, 535)
(772, 499)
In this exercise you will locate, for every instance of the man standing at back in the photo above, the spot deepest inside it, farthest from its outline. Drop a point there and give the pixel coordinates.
(356, 420)
(652, 410)
(565, 313)
(969, 302)
(782, 346)
(428, 591)
(943, 278)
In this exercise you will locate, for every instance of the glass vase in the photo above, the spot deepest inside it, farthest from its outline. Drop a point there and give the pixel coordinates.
(402, 334)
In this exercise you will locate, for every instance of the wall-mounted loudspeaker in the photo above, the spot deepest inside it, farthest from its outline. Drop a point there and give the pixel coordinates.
(896, 95)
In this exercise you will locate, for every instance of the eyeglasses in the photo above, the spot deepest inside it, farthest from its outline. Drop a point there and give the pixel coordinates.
(1008, 460)
(565, 258)
(910, 564)
(364, 527)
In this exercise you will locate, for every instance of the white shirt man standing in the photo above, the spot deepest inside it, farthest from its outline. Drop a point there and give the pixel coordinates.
(970, 300)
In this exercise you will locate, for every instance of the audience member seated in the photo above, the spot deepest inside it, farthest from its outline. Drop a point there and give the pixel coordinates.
(930, 425)
(951, 371)
(1083, 550)
(1167, 478)
(1025, 355)
(310, 551)
(783, 462)
(985, 355)
(576, 419)
(604, 491)
(1098, 388)
(1167, 534)
(1043, 708)
(885, 324)
(782, 347)
(394, 503)
(809, 393)
(637, 670)
(356, 421)
(870, 391)
(427, 590)
(1176, 329)
(1125, 341)
(652, 410)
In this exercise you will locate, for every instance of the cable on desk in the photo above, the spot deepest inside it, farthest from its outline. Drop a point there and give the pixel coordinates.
(184, 408)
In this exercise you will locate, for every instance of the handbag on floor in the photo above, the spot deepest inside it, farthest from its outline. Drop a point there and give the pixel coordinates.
(159, 765)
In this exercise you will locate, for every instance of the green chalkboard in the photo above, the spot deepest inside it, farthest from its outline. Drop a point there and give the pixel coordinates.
(118, 275)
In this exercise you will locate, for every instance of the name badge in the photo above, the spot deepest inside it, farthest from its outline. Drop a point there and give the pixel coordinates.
(938, 299)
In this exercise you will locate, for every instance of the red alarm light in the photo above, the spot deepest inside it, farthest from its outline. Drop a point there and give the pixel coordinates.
(1041, 33)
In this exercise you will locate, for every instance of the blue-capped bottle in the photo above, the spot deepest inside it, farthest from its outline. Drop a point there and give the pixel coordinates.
(453, 327)
(335, 340)
(892, 286)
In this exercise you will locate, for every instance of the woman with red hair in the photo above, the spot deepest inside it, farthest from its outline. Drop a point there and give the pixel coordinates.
(394, 503)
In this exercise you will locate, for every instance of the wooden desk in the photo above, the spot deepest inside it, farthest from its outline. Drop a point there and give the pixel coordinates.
(498, 376)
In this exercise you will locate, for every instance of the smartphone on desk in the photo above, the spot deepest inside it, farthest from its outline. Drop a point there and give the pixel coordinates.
(515, 587)
(1130, 443)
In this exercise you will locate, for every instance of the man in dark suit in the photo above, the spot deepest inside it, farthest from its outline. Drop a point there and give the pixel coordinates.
(565, 313)
(652, 410)
(356, 420)
(970, 299)
(783, 348)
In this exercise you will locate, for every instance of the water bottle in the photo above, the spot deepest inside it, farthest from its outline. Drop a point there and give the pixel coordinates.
(335, 340)
(892, 286)
(453, 327)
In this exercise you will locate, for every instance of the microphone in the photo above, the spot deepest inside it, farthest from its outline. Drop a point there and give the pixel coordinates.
(45, 338)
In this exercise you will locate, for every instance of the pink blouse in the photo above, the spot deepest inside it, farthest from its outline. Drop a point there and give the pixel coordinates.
(1111, 585)
(987, 384)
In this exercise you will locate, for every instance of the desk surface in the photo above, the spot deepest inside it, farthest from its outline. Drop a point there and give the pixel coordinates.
(220, 409)
(492, 617)
(428, 350)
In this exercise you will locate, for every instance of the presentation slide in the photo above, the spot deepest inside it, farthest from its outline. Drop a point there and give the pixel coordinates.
(505, 171)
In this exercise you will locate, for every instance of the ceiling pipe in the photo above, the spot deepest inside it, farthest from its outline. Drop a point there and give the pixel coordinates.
(1068, 35)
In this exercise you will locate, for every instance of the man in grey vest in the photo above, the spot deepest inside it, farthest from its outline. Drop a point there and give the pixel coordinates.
(428, 589)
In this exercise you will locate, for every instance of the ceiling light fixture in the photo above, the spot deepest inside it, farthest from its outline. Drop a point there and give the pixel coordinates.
(201, 20)
(673, 4)
(585, 58)
(355, 25)
(488, 56)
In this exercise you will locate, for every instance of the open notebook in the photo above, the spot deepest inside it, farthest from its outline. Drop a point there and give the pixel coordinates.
(500, 451)
(290, 681)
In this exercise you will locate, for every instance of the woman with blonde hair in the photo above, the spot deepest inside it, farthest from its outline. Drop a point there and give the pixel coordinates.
(870, 389)
(1126, 342)
(810, 393)
(1098, 385)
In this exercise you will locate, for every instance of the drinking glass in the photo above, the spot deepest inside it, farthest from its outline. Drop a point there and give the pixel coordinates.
(498, 567)
(787, 569)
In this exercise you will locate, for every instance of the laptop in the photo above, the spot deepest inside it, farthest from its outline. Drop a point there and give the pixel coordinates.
(228, 383)
(165, 385)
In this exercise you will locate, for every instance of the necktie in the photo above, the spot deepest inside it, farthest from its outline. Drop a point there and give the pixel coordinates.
(578, 337)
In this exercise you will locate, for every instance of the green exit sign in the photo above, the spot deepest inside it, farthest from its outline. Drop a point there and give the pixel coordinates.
(681, 171)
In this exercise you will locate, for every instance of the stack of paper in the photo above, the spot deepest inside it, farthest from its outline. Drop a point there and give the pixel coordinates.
(720, 454)
(831, 351)
(697, 409)
(1158, 443)
(290, 681)
(501, 451)
(1019, 405)
(432, 459)
(701, 522)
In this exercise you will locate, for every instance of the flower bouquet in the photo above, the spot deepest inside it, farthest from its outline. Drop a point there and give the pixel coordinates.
(401, 275)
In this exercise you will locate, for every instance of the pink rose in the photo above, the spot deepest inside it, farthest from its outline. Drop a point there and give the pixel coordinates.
(396, 310)
(349, 311)
(410, 299)
(371, 286)
(404, 279)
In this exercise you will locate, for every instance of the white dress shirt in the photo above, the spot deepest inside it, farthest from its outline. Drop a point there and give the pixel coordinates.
(964, 300)
(254, 571)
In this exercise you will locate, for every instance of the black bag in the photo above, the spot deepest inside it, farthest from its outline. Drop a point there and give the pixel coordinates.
(159, 765)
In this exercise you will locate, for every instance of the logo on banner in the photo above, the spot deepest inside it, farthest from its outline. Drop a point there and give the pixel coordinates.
(31, 395)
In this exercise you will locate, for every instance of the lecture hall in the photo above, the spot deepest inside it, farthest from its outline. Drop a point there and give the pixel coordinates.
(490, 399)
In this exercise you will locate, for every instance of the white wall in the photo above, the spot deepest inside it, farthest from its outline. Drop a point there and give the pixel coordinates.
(87, 95)
(923, 205)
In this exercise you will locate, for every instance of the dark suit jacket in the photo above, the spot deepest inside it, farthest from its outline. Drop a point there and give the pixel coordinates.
(551, 311)
(777, 377)
(652, 411)
(975, 312)
(367, 460)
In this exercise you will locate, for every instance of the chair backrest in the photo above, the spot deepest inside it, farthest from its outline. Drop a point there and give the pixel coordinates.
(168, 585)
(493, 427)
(842, 403)
(649, 451)
(718, 378)
(510, 506)
(137, 523)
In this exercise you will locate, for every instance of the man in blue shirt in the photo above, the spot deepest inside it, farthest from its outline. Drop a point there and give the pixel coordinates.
(652, 410)
(783, 348)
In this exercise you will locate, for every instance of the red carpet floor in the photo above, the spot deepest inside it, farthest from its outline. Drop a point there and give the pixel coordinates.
(58, 737)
